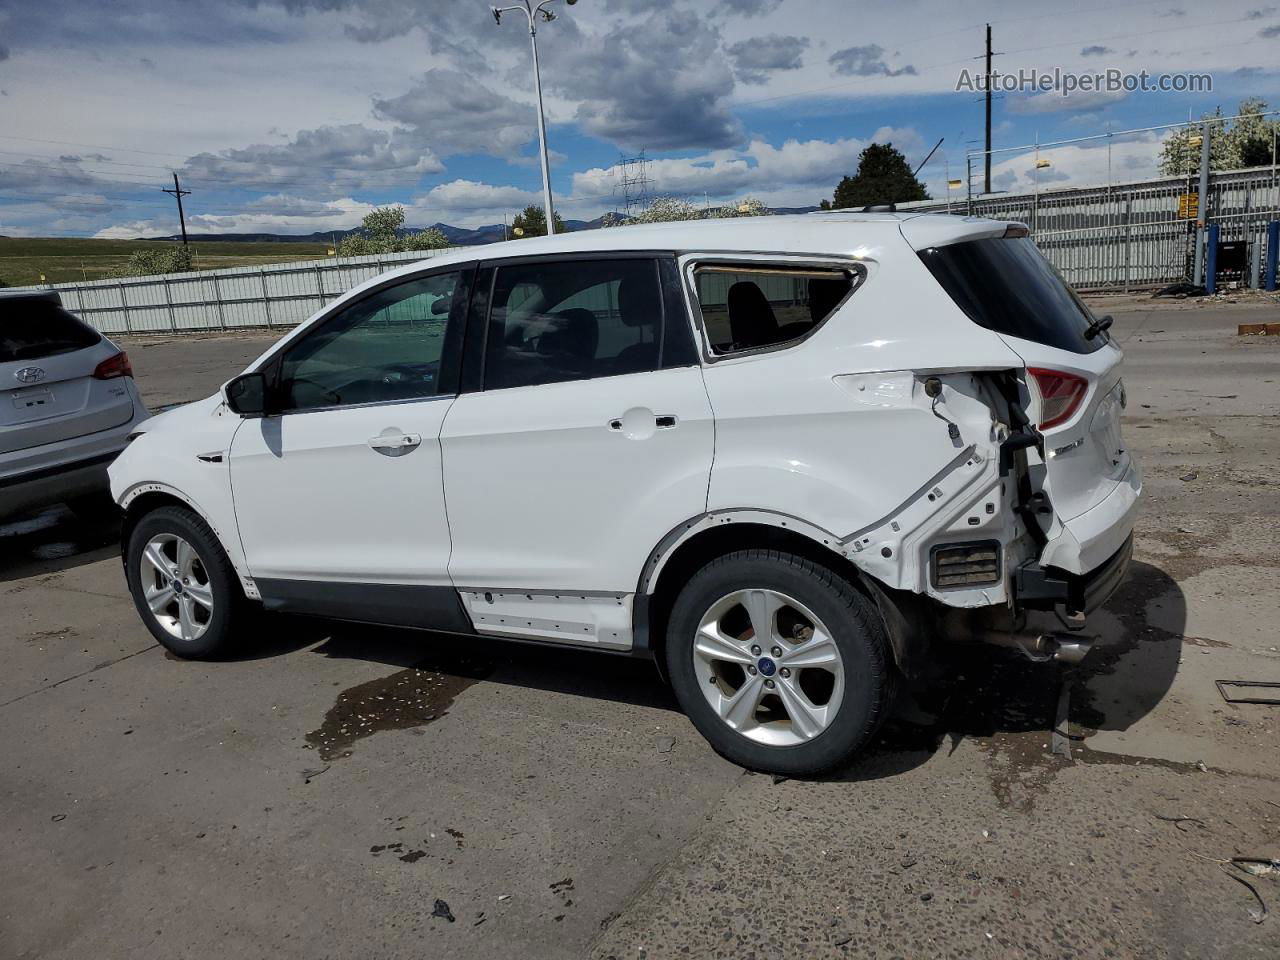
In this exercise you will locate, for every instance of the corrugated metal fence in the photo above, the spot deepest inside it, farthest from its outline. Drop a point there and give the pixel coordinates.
(1131, 235)
(278, 295)
(1122, 236)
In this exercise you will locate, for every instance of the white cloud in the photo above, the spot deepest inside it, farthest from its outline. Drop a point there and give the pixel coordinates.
(809, 168)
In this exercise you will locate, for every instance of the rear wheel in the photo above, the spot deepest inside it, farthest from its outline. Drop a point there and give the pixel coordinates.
(782, 665)
(183, 585)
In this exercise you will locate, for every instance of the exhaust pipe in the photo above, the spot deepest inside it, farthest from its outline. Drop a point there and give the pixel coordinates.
(1046, 647)
(1038, 641)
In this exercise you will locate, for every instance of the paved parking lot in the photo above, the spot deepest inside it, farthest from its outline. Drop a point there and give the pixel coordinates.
(352, 792)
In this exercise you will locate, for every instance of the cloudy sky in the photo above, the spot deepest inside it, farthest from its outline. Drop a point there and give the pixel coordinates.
(295, 116)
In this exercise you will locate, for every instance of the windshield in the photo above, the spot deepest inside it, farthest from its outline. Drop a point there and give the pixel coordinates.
(1007, 285)
(31, 329)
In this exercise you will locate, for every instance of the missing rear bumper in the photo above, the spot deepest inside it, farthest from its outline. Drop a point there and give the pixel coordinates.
(1047, 588)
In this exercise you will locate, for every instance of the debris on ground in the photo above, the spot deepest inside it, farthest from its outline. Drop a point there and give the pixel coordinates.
(1187, 477)
(1253, 690)
(309, 775)
(1258, 866)
(1060, 740)
(1256, 914)
(665, 744)
(503, 896)
(1178, 821)
(442, 910)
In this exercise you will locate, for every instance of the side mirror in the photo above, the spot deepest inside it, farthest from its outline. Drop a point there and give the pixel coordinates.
(247, 395)
(441, 306)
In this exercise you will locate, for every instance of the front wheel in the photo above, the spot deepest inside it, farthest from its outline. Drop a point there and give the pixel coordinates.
(183, 584)
(782, 665)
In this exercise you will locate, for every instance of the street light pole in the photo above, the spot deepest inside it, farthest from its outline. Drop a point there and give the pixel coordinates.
(531, 13)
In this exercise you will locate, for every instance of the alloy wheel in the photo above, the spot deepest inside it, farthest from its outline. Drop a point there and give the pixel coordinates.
(768, 667)
(175, 584)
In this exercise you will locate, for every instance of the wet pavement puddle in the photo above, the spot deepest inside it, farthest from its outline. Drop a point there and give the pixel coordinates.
(405, 700)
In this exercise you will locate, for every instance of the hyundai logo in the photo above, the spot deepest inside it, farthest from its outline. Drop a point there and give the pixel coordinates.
(30, 375)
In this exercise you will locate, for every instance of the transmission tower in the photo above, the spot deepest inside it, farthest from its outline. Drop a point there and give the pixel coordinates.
(633, 176)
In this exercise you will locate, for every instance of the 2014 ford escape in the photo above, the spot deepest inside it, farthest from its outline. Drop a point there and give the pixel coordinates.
(779, 455)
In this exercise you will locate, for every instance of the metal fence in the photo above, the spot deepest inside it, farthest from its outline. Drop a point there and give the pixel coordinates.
(1131, 235)
(1120, 236)
(278, 295)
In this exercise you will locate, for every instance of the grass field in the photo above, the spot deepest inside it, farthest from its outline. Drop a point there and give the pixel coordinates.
(66, 259)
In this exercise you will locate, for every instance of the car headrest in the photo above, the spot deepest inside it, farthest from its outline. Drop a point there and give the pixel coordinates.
(576, 333)
(751, 319)
(638, 304)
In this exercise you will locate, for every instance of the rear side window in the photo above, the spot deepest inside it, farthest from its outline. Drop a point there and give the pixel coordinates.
(1007, 285)
(552, 321)
(748, 308)
(31, 329)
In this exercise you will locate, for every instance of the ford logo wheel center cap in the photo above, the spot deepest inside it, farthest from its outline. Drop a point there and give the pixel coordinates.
(767, 667)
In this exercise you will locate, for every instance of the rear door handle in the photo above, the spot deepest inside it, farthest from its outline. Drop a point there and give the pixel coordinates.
(661, 421)
(395, 444)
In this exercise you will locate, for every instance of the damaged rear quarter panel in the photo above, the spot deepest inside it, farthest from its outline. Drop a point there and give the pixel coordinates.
(837, 431)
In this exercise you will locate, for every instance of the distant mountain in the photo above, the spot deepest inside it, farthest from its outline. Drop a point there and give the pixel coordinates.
(458, 236)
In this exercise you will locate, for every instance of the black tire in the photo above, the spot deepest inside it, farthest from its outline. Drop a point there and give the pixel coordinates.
(230, 613)
(870, 675)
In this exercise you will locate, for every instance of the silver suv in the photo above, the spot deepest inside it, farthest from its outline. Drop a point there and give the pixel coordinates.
(67, 405)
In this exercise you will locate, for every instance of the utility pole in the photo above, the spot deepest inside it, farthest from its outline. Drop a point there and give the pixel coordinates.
(987, 178)
(1202, 206)
(178, 193)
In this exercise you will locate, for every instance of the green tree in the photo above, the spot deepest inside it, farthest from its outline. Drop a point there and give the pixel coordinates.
(156, 260)
(532, 222)
(666, 209)
(382, 231)
(883, 176)
(1244, 142)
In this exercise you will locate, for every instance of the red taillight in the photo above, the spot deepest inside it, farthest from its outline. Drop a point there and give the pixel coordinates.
(112, 367)
(1060, 395)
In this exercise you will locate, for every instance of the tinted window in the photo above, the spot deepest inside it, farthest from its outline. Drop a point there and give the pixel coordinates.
(386, 347)
(571, 320)
(749, 308)
(31, 329)
(1007, 285)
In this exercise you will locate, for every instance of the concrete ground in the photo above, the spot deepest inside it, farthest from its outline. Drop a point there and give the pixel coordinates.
(353, 792)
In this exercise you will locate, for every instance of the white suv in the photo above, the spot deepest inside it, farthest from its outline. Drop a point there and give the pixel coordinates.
(777, 455)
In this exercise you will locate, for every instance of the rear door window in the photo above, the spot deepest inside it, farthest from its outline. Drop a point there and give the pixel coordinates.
(552, 321)
(750, 308)
(1006, 285)
(35, 328)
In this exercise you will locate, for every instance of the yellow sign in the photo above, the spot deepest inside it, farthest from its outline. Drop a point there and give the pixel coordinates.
(1188, 206)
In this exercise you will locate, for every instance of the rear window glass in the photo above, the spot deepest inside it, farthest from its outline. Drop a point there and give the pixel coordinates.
(747, 308)
(1007, 285)
(31, 329)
